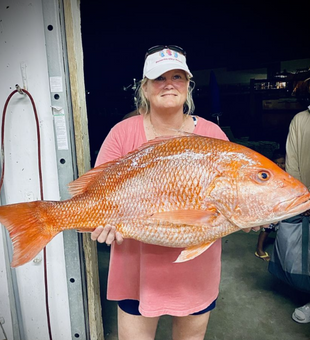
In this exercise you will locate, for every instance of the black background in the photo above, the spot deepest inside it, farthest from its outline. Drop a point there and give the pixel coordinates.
(235, 35)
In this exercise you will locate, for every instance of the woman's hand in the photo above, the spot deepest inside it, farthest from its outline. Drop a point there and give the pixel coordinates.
(247, 230)
(107, 234)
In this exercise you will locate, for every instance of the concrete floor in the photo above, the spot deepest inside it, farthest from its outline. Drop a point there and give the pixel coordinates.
(252, 304)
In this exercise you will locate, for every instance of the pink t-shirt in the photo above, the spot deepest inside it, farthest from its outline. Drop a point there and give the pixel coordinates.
(146, 272)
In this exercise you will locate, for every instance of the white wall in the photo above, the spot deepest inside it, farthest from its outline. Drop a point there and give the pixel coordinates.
(23, 61)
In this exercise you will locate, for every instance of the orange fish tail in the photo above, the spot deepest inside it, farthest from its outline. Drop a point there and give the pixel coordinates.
(29, 232)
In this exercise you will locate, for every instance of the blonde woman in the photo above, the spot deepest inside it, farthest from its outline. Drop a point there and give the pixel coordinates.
(142, 277)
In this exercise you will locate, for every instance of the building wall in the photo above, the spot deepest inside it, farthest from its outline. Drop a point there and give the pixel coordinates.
(23, 61)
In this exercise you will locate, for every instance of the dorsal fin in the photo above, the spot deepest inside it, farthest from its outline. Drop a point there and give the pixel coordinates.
(80, 185)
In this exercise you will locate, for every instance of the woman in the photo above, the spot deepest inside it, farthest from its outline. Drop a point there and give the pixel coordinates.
(142, 277)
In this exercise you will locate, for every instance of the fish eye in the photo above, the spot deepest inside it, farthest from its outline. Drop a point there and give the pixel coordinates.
(263, 175)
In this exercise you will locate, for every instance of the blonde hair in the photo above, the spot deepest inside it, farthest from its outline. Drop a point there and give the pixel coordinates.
(143, 105)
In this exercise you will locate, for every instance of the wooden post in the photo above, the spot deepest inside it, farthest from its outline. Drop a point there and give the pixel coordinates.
(75, 60)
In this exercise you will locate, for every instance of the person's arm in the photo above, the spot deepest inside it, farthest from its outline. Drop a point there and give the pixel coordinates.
(291, 161)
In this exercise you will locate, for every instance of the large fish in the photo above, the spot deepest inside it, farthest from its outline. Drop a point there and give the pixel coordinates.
(185, 191)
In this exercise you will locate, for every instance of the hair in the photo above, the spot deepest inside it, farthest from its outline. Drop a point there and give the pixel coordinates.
(143, 105)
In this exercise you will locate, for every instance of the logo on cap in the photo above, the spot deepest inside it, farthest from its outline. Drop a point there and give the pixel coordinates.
(169, 53)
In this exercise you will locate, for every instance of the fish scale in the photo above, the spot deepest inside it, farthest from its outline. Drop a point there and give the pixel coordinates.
(162, 232)
(185, 191)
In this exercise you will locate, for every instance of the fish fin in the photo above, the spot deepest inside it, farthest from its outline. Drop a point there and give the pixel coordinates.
(28, 232)
(80, 185)
(190, 253)
(191, 217)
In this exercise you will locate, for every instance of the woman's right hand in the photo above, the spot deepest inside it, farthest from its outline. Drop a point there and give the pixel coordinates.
(306, 213)
(107, 234)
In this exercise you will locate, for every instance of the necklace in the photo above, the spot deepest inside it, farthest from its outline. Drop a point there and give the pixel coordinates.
(156, 134)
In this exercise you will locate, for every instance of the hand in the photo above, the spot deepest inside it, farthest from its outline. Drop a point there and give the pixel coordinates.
(247, 230)
(306, 213)
(107, 234)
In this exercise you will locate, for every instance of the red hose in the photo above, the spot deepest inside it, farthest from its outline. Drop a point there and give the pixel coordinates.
(40, 180)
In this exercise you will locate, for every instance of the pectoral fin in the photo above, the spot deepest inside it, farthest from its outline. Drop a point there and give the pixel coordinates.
(190, 217)
(190, 253)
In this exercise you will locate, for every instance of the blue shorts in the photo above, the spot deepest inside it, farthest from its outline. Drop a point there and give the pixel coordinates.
(132, 307)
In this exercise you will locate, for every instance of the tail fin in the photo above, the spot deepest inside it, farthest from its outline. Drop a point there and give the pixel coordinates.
(28, 229)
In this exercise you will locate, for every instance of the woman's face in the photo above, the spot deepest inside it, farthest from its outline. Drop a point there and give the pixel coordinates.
(168, 90)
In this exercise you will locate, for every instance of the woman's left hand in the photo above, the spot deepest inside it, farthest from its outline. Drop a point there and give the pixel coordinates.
(107, 234)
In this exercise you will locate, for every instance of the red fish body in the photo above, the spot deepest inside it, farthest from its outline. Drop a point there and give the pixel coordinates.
(180, 192)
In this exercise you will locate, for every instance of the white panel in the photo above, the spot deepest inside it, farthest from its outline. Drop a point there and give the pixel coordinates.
(23, 61)
(5, 308)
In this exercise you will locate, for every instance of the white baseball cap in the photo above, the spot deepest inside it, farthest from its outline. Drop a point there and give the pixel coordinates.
(161, 59)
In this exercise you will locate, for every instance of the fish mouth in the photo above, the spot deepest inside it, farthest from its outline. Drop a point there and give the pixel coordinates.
(295, 206)
(281, 211)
